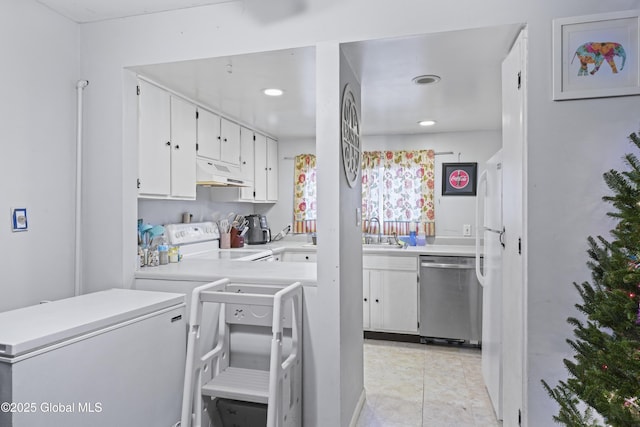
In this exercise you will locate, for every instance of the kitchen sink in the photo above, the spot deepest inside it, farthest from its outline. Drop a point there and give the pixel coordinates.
(374, 241)
(382, 246)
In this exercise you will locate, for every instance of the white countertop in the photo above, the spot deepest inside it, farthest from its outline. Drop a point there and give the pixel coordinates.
(296, 245)
(193, 269)
(248, 271)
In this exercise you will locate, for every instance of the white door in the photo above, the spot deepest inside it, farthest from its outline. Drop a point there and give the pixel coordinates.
(154, 140)
(272, 170)
(514, 303)
(183, 149)
(208, 135)
(260, 180)
(230, 144)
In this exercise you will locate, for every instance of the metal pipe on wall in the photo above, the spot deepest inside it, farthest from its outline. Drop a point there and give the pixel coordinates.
(80, 85)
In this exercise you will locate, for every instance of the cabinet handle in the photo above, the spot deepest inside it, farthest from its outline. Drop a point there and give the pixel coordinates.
(168, 144)
(377, 300)
(365, 300)
(218, 138)
(225, 140)
(306, 257)
(177, 147)
(244, 163)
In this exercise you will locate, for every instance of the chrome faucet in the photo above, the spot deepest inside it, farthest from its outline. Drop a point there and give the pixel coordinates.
(379, 228)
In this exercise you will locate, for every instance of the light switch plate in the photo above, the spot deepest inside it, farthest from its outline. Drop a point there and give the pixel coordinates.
(19, 219)
(466, 230)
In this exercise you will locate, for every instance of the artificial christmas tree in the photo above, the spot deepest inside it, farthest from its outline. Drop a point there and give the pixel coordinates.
(604, 376)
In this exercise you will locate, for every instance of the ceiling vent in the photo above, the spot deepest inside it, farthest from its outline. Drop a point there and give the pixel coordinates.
(426, 79)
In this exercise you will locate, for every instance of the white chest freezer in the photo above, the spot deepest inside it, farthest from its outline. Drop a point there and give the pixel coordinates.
(111, 358)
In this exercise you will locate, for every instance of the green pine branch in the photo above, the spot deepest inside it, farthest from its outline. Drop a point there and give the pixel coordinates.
(604, 372)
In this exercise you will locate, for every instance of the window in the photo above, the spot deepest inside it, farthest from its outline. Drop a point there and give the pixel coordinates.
(397, 188)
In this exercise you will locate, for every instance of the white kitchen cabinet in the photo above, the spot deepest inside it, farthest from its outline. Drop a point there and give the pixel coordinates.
(390, 294)
(183, 149)
(272, 170)
(266, 169)
(167, 145)
(218, 138)
(208, 135)
(154, 140)
(247, 162)
(229, 141)
(290, 256)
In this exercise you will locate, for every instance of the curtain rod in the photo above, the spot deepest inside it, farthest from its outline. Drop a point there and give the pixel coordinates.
(437, 153)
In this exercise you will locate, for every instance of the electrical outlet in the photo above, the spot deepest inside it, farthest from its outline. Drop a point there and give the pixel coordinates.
(466, 230)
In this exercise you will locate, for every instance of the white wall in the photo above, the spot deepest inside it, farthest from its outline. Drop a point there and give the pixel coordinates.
(451, 211)
(37, 165)
(575, 139)
(157, 211)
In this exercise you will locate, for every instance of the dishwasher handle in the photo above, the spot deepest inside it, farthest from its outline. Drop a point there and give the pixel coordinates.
(450, 266)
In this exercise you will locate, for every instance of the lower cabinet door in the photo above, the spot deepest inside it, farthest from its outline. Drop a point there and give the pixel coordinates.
(389, 296)
(376, 306)
(366, 304)
(399, 293)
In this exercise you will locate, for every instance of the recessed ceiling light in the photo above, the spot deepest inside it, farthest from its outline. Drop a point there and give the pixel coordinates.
(427, 122)
(273, 92)
(426, 79)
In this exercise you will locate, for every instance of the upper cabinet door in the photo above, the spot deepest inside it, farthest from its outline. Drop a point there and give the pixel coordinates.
(230, 144)
(272, 170)
(260, 181)
(246, 154)
(183, 146)
(154, 140)
(208, 135)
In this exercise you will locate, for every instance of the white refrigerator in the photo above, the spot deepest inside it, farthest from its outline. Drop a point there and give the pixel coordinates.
(110, 358)
(489, 247)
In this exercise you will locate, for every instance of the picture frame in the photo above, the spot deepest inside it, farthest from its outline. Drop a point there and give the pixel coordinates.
(459, 179)
(596, 55)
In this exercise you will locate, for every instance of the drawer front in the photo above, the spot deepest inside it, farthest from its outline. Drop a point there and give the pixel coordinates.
(299, 256)
(384, 262)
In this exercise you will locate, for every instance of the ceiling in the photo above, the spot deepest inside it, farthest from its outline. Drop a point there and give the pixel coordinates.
(467, 98)
(98, 10)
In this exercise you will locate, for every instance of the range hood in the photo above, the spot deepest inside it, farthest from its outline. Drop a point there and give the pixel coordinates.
(219, 174)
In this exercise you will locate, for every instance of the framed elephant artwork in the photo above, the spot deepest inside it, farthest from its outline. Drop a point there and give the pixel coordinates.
(596, 55)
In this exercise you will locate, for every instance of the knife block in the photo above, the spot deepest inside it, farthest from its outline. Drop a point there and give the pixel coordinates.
(237, 241)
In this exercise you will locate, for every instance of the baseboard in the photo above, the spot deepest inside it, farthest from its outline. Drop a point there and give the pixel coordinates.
(358, 409)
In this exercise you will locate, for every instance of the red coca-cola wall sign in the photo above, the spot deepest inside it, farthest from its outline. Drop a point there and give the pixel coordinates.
(459, 179)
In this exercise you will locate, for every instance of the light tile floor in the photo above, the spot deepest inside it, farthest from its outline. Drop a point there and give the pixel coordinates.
(414, 385)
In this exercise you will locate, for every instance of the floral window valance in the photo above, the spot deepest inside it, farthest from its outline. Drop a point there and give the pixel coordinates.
(304, 194)
(398, 189)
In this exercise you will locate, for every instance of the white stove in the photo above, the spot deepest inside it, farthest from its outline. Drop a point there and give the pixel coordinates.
(200, 240)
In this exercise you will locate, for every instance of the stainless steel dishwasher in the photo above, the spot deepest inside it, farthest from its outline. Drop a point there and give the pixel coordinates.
(450, 300)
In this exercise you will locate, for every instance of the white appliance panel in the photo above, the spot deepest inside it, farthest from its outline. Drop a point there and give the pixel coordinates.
(490, 204)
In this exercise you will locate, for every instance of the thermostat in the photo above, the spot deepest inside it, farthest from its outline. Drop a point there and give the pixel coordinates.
(19, 219)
